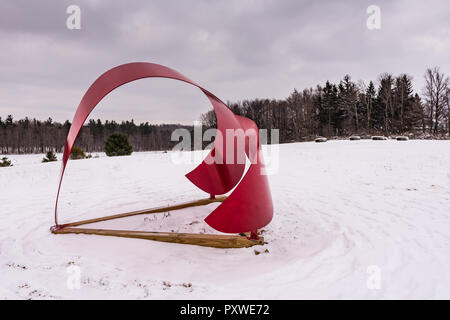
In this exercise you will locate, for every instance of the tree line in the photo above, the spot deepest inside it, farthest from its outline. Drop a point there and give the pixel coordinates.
(35, 136)
(347, 107)
(385, 106)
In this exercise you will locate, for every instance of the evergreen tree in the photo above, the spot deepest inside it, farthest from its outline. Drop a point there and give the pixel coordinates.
(348, 111)
(385, 101)
(5, 162)
(370, 102)
(117, 145)
(402, 104)
(329, 108)
(49, 157)
(77, 153)
(415, 119)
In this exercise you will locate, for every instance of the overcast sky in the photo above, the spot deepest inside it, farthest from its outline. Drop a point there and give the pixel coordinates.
(236, 49)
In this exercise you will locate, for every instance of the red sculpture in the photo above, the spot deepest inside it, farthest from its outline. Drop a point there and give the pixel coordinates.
(249, 207)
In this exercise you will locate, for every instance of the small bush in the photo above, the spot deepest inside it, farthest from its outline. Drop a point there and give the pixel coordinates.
(49, 157)
(117, 145)
(77, 153)
(5, 162)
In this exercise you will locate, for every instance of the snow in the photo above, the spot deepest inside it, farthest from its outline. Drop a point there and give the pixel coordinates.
(347, 214)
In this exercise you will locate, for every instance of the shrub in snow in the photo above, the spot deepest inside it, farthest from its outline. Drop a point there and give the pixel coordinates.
(49, 157)
(321, 139)
(378, 138)
(355, 138)
(5, 162)
(77, 153)
(117, 145)
(402, 138)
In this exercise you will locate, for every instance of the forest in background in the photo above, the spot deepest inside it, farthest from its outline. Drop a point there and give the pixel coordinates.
(387, 106)
(34, 136)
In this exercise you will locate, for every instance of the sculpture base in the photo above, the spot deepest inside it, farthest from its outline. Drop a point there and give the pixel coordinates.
(206, 240)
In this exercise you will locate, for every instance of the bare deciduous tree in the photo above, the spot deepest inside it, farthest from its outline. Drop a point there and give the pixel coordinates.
(435, 93)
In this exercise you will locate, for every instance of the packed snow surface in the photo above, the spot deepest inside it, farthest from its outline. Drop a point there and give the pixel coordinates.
(353, 219)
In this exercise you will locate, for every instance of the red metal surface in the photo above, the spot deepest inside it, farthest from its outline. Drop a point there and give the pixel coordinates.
(248, 207)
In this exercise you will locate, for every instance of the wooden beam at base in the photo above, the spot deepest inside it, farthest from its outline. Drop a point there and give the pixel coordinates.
(206, 240)
(195, 203)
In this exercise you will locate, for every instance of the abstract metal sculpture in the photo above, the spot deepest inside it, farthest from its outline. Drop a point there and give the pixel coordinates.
(248, 207)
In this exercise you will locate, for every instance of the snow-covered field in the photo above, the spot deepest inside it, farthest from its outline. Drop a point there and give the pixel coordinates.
(347, 214)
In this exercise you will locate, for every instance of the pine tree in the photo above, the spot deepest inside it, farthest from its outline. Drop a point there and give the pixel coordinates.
(385, 100)
(77, 153)
(5, 162)
(402, 103)
(329, 107)
(415, 119)
(117, 145)
(49, 157)
(351, 96)
(370, 101)
(348, 106)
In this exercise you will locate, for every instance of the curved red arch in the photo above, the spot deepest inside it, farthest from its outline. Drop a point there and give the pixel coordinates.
(211, 177)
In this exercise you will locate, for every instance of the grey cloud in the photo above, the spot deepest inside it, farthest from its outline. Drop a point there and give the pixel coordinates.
(237, 49)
